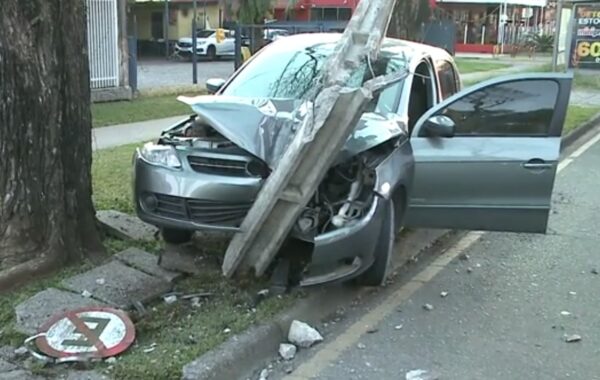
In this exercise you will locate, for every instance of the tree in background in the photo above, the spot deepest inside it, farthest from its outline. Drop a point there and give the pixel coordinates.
(47, 217)
(409, 17)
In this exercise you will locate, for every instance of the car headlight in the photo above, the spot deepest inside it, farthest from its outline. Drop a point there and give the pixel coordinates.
(163, 155)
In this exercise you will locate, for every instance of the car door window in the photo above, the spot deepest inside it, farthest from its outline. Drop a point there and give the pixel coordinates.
(517, 108)
(447, 78)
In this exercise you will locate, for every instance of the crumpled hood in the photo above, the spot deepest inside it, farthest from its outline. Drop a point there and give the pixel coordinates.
(265, 127)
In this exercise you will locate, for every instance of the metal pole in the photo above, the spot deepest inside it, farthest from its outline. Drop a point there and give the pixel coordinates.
(205, 14)
(558, 18)
(194, 47)
(166, 28)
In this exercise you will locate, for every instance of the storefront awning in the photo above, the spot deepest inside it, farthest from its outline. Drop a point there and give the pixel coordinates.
(526, 3)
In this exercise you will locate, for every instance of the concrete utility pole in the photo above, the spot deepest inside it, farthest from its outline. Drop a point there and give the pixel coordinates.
(194, 47)
(559, 8)
(322, 134)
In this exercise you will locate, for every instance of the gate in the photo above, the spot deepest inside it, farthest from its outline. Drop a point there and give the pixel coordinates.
(103, 43)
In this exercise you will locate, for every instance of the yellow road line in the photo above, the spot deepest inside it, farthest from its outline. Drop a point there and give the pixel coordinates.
(329, 352)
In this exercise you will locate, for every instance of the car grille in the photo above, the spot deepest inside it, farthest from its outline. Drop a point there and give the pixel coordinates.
(184, 45)
(202, 211)
(218, 166)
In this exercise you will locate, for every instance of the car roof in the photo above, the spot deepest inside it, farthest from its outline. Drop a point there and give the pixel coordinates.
(412, 50)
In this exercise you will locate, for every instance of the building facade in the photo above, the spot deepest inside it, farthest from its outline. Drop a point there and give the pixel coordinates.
(315, 10)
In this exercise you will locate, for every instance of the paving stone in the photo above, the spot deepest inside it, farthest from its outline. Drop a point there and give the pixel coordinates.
(146, 262)
(32, 313)
(6, 367)
(181, 258)
(7, 353)
(86, 375)
(125, 226)
(118, 284)
(20, 374)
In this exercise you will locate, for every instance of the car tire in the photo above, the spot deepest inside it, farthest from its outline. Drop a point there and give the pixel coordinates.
(175, 236)
(211, 53)
(384, 250)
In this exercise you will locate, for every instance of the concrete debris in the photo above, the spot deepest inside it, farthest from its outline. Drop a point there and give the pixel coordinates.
(288, 369)
(361, 346)
(6, 366)
(428, 307)
(303, 335)
(263, 293)
(469, 270)
(21, 351)
(264, 374)
(444, 294)
(111, 360)
(86, 294)
(398, 327)
(147, 263)
(565, 313)
(464, 257)
(227, 330)
(100, 281)
(420, 374)
(287, 351)
(573, 338)
(7, 353)
(572, 293)
(477, 265)
(170, 299)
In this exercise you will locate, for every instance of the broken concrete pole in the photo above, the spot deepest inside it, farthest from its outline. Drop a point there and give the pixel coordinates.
(303, 335)
(313, 149)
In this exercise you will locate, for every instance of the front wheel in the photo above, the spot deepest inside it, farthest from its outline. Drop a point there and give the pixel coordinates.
(384, 250)
(175, 236)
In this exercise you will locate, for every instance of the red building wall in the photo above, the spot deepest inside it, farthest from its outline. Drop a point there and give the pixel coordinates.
(303, 7)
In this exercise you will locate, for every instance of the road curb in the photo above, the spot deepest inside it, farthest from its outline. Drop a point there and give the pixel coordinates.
(251, 349)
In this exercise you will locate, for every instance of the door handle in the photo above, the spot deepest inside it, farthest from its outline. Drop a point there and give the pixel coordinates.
(537, 164)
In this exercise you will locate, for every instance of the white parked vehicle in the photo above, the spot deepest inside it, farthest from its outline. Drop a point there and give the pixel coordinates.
(207, 45)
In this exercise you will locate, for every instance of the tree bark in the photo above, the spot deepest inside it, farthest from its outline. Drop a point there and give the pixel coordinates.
(47, 218)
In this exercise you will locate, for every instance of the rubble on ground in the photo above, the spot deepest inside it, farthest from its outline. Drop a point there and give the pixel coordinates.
(303, 335)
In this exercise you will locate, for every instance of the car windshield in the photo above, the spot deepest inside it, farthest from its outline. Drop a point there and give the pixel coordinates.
(291, 73)
(204, 33)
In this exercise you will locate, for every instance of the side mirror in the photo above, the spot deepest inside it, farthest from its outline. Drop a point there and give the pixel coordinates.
(439, 126)
(214, 85)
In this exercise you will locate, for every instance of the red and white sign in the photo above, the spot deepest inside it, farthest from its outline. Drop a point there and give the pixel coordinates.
(98, 332)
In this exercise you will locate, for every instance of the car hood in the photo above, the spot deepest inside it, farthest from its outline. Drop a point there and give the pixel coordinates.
(265, 127)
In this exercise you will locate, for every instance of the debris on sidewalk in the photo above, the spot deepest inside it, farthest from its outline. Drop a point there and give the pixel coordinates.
(398, 327)
(287, 351)
(361, 346)
(464, 257)
(421, 374)
(573, 338)
(303, 335)
(572, 293)
(169, 299)
(428, 307)
(469, 270)
(444, 294)
(565, 313)
(264, 374)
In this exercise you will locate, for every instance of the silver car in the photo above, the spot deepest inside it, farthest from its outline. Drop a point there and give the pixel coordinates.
(425, 154)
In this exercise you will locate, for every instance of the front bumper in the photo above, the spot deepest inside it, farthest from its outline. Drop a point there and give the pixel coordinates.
(338, 255)
(189, 50)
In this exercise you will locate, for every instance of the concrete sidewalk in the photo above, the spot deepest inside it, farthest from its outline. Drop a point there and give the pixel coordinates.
(123, 134)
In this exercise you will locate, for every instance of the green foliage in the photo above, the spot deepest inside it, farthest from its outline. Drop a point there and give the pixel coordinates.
(254, 11)
(541, 42)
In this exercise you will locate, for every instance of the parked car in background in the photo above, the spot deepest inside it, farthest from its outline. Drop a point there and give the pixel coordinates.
(207, 45)
(425, 153)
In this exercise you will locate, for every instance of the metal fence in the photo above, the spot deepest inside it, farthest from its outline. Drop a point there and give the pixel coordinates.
(103, 44)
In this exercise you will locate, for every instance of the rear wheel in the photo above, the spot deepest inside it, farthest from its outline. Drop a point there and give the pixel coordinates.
(379, 271)
(175, 236)
(211, 53)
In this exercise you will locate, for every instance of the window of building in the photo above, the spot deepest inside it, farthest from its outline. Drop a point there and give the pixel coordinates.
(157, 25)
(330, 14)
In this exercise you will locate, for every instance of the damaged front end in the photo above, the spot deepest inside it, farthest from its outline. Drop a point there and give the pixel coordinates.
(205, 173)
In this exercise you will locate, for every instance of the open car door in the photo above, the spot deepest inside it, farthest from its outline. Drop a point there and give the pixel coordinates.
(486, 158)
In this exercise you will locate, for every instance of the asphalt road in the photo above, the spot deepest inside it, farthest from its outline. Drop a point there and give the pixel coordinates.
(512, 300)
(156, 73)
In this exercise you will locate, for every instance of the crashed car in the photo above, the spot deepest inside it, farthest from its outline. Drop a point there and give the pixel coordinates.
(425, 154)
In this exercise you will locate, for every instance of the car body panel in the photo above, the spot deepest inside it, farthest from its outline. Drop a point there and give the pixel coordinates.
(223, 48)
(485, 182)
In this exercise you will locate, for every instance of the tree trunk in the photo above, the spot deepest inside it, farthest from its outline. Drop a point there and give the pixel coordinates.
(47, 218)
(408, 18)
